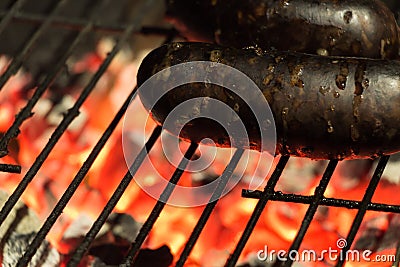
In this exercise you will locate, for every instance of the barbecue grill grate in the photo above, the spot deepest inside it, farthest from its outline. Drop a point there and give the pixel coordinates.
(82, 27)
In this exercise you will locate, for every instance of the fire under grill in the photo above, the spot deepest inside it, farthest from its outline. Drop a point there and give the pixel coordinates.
(56, 18)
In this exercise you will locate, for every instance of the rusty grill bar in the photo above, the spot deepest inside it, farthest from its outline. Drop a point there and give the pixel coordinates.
(82, 27)
(11, 168)
(78, 24)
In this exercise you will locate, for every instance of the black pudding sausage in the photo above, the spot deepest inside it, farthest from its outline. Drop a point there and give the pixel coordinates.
(323, 107)
(362, 28)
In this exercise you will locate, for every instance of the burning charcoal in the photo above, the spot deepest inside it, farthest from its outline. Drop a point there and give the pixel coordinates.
(372, 234)
(122, 225)
(380, 233)
(119, 230)
(254, 261)
(392, 234)
(160, 257)
(110, 254)
(56, 114)
(14, 248)
(76, 231)
(298, 173)
(113, 241)
(352, 171)
(391, 172)
(16, 233)
(322, 213)
(21, 220)
(370, 239)
(97, 263)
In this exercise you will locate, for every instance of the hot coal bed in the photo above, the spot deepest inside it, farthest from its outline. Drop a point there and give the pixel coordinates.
(58, 80)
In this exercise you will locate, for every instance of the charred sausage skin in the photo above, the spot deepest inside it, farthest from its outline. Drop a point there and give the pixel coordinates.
(324, 107)
(362, 28)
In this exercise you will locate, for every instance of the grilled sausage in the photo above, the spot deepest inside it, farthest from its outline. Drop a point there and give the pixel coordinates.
(363, 28)
(394, 6)
(323, 107)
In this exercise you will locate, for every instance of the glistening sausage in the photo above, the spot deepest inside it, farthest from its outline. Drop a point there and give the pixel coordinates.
(323, 107)
(363, 28)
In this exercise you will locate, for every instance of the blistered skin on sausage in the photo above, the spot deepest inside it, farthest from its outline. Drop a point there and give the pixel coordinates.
(324, 107)
(362, 28)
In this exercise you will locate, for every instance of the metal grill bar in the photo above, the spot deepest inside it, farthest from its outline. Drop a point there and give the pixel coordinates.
(18, 60)
(10, 168)
(369, 193)
(64, 22)
(70, 191)
(80, 251)
(223, 181)
(9, 14)
(159, 206)
(396, 262)
(68, 118)
(329, 202)
(78, 23)
(312, 209)
(26, 111)
(269, 188)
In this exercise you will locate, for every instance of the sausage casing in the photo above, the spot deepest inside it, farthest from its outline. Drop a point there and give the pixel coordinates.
(323, 107)
(363, 28)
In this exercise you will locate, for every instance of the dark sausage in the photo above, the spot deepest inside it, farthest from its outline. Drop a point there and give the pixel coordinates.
(363, 28)
(394, 6)
(324, 107)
